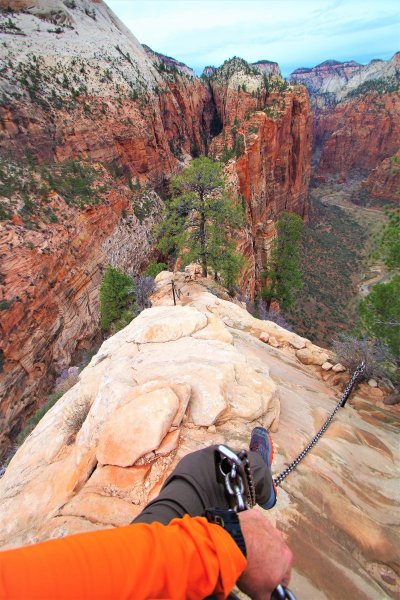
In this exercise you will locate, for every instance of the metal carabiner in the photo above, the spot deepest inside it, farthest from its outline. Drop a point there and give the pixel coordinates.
(282, 593)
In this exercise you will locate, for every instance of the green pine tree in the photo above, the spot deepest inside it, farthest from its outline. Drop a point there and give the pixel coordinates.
(380, 314)
(283, 272)
(201, 218)
(117, 300)
(388, 243)
(380, 310)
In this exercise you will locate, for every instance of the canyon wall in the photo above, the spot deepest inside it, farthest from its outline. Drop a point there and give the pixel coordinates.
(266, 140)
(357, 117)
(76, 84)
(50, 279)
(384, 181)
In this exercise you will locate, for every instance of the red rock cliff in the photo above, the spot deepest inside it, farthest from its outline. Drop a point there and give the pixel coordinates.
(49, 290)
(267, 132)
(358, 133)
(357, 117)
(67, 96)
(384, 181)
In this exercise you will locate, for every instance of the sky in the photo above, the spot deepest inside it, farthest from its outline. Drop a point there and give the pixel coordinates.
(293, 33)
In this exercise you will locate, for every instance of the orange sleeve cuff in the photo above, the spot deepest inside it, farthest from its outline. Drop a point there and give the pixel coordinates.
(187, 559)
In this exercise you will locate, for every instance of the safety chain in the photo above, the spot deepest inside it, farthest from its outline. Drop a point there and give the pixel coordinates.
(356, 375)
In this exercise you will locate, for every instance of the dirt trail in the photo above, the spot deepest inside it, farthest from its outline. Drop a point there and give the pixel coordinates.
(370, 218)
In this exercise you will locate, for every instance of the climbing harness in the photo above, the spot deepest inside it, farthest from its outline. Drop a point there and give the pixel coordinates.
(342, 402)
(233, 470)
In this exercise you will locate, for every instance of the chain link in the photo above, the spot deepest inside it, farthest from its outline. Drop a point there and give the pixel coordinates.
(356, 375)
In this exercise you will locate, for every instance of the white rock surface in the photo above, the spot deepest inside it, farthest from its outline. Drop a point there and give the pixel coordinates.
(344, 495)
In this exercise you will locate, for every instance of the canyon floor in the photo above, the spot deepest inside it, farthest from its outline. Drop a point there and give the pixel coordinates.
(336, 264)
(214, 372)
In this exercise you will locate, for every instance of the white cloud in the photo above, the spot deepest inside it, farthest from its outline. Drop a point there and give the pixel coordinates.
(293, 32)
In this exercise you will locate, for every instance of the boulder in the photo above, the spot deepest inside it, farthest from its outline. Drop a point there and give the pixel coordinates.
(272, 341)
(309, 356)
(160, 324)
(137, 428)
(327, 366)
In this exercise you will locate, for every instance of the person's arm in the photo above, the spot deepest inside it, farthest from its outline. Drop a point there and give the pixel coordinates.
(190, 558)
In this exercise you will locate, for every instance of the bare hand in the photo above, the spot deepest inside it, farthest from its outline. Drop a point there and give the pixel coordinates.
(269, 559)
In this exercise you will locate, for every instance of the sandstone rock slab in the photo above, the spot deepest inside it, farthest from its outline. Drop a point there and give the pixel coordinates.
(137, 428)
(163, 324)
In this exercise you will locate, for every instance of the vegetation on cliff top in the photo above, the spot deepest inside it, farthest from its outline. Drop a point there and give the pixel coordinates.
(25, 188)
(382, 85)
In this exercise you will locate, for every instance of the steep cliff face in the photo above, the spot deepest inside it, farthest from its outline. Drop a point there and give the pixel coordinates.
(77, 84)
(84, 86)
(266, 140)
(384, 181)
(357, 114)
(358, 133)
(51, 270)
(208, 372)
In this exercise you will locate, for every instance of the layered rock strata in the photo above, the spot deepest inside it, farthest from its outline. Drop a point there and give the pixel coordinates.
(50, 279)
(76, 83)
(266, 138)
(357, 118)
(182, 377)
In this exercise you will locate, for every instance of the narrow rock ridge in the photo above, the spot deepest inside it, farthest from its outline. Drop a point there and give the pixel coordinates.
(202, 372)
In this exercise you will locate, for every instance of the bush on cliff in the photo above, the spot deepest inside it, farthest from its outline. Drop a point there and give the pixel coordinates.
(117, 300)
(380, 314)
(380, 310)
(154, 268)
(283, 272)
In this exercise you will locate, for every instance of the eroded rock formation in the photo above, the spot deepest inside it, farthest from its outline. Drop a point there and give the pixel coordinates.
(357, 117)
(266, 137)
(77, 84)
(181, 377)
(50, 279)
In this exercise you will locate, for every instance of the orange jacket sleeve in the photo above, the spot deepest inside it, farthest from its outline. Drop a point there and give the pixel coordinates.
(189, 558)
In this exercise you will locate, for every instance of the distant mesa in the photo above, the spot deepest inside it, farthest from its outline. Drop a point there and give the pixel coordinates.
(327, 65)
(266, 67)
(168, 61)
(209, 71)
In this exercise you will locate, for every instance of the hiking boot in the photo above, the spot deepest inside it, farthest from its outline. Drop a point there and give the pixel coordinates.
(261, 442)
